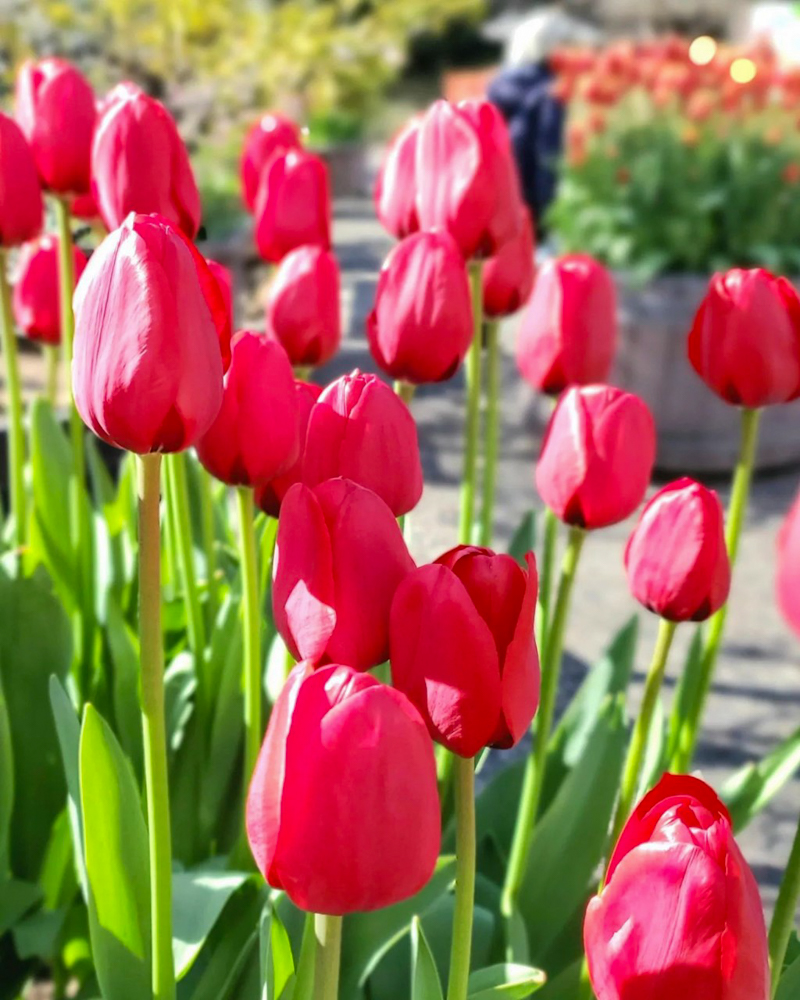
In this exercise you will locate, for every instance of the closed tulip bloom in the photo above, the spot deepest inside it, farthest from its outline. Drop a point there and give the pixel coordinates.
(140, 164)
(271, 135)
(83, 206)
(343, 810)
(568, 332)
(224, 281)
(256, 434)
(147, 371)
(421, 326)
(788, 579)
(597, 456)
(36, 292)
(340, 557)
(56, 111)
(680, 914)
(676, 559)
(293, 205)
(508, 276)
(21, 211)
(360, 429)
(745, 340)
(463, 647)
(396, 187)
(303, 306)
(466, 178)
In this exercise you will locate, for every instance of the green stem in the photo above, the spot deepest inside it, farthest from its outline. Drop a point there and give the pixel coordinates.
(303, 372)
(473, 412)
(207, 512)
(328, 933)
(783, 918)
(66, 278)
(16, 430)
(549, 540)
(689, 727)
(405, 390)
(535, 766)
(178, 499)
(252, 631)
(155, 738)
(51, 384)
(461, 945)
(491, 431)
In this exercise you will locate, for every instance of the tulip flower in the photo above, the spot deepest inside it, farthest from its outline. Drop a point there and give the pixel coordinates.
(597, 456)
(680, 914)
(676, 559)
(56, 111)
(224, 281)
(36, 293)
(421, 326)
(508, 276)
(340, 557)
(788, 579)
(358, 750)
(147, 372)
(140, 164)
(83, 206)
(271, 135)
(745, 340)
(303, 312)
(21, 213)
(568, 331)
(396, 187)
(255, 435)
(293, 205)
(466, 178)
(363, 431)
(463, 648)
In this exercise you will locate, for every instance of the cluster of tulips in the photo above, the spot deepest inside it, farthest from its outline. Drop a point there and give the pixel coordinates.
(393, 677)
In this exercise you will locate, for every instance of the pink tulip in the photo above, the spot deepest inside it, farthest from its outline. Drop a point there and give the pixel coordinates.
(37, 301)
(303, 311)
(293, 205)
(270, 136)
(21, 210)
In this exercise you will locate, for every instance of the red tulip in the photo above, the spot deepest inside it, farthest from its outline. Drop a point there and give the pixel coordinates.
(361, 430)
(676, 558)
(396, 187)
(680, 914)
(21, 212)
(271, 135)
(140, 164)
(256, 434)
(788, 580)
(56, 111)
(83, 206)
(463, 649)
(303, 306)
(36, 292)
(147, 371)
(568, 331)
(269, 496)
(343, 810)
(421, 326)
(597, 456)
(293, 205)
(466, 178)
(340, 557)
(508, 276)
(745, 341)
(224, 281)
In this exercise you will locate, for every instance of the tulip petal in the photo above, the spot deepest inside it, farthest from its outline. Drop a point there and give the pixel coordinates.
(520, 673)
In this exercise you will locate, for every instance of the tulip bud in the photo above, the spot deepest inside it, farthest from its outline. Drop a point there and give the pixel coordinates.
(147, 371)
(140, 164)
(788, 579)
(21, 214)
(597, 456)
(340, 557)
(271, 135)
(56, 111)
(466, 178)
(396, 187)
(83, 206)
(343, 810)
(303, 306)
(745, 340)
(224, 282)
(363, 431)
(293, 205)
(421, 326)
(676, 558)
(508, 276)
(568, 331)
(680, 914)
(36, 292)
(463, 648)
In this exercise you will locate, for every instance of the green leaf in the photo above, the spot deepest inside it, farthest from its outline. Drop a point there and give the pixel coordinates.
(686, 693)
(425, 983)
(507, 980)
(789, 986)
(524, 538)
(751, 788)
(117, 864)
(125, 685)
(6, 785)
(198, 898)
(37, 935)
(564, 986)
(16, 899)
(275, 949)
(69, 737)
(180, 684)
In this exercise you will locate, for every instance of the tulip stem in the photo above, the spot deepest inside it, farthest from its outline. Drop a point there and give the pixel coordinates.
(51, 383)
(535, 766)
(178, 499)
(405, 390)
(549, 540)
(461, 946)
(491, 430)
(328, 932)
(252, 631)
(473, 412)
(154, 729)
(783, 918)
(688, 727)
(207, 514)
(15, 429)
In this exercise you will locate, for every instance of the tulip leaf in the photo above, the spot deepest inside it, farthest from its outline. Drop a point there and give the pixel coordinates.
(686, 695)
(789, 986)
(6, 784)
(117, 864)
(198, 898)
(564, 986)
(751, 788)
(123, 646)
(69, 737)
(425, 983)
(16, 899)
(275, 949)
(506, 981)
(523, 540)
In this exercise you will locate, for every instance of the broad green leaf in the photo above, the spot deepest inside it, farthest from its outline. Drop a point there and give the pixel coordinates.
(6, 785)
(686, 693)
(16, 899)
(506, 981)
(58, 877)
(180, 684)
(275, 949)
(564, 986)
(524, 538)
(69, 737)
(751, 788)
(789, 986)
(117, 864)
(425, 984)
(37, 935)
(198, 898)
(655, 755)
(123, 646)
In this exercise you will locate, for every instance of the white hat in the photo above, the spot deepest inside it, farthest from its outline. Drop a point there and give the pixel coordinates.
(538, 35)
